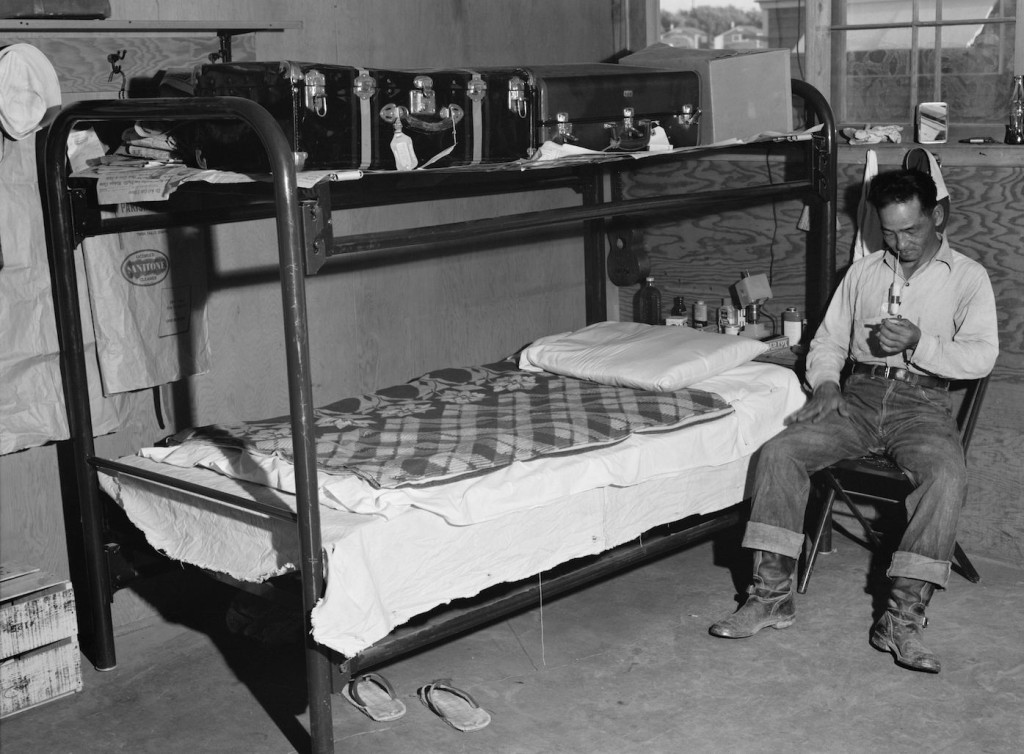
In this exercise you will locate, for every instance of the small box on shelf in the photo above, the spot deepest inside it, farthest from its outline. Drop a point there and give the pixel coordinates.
(776, 342)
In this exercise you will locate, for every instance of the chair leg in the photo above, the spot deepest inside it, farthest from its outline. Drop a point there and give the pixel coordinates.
(966, 569)
(871, 535)
(824, 525)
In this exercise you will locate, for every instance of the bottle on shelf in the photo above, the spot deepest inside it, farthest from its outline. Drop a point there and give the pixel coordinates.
(700, 315)
(647, 303)
(678, 315)
(1015, 126)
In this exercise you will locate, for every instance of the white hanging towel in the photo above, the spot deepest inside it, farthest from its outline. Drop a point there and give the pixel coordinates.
(869, 232)
(31, 393)
(923, 160)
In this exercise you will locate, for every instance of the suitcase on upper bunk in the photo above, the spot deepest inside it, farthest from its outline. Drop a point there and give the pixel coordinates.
(344, 117)
(497, 102)
(612, 107)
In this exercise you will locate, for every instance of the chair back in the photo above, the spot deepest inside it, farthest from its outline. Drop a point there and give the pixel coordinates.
(970, 407)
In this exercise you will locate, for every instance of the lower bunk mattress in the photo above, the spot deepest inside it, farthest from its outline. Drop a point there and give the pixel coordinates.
(382, 570)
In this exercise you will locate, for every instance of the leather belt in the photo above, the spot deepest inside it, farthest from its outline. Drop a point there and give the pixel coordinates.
(901, 374)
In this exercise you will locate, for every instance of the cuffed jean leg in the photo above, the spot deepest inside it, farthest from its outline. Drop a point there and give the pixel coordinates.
(782, 479)
(770, 538)
(927, 447)
(910, 565)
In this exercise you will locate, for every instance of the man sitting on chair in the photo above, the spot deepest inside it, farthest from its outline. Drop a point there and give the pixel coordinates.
(910, 317)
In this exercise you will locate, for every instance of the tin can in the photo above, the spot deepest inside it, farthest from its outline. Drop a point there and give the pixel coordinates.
(792, 325)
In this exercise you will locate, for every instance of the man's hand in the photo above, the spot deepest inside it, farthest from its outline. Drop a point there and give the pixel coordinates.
(826, 398)
(896, 335)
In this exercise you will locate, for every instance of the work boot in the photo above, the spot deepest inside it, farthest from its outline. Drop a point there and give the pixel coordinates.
(769, 599)
(900, 628)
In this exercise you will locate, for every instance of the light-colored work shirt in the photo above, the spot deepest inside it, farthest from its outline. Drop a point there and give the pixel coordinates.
(950, 299)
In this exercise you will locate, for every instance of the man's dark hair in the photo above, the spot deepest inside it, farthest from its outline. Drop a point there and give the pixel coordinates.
(901, 186)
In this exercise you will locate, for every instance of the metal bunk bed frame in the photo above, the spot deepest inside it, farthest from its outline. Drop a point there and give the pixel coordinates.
(305, 243)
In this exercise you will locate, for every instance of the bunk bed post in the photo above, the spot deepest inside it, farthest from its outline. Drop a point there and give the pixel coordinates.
(821, 259)
(300, 399)
(592, 189)
(300, 390)
(80, 446)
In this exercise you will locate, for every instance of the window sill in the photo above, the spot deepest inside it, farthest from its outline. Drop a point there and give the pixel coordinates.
(950, 154)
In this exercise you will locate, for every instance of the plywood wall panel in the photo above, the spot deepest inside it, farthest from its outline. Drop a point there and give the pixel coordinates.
(82, 66)
(31, 515)
(702, 255)
(413, 33)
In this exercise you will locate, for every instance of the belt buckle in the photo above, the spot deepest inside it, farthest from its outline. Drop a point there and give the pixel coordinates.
(898, 373)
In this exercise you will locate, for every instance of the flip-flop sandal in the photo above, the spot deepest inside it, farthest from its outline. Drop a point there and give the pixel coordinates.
(372, 695)
(454, 706)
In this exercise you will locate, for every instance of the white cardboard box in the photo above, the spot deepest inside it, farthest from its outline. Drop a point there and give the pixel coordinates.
(39, 676)
(39, 655)
(742, 92)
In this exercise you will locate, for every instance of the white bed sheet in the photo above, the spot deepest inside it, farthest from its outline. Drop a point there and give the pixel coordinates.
(380, 572)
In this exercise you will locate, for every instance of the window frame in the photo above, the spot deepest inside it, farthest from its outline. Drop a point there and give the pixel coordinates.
(819, 54)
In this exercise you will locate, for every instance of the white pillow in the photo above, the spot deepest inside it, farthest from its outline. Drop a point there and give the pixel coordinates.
(649, 357)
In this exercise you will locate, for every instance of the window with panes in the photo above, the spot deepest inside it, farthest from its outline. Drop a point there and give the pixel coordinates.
(887, 56)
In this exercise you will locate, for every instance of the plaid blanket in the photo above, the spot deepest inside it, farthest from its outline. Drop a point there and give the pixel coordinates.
(454, 422)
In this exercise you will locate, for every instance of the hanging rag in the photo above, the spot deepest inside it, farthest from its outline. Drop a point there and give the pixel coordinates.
(869, 232)
(31, 391)
(924, 161)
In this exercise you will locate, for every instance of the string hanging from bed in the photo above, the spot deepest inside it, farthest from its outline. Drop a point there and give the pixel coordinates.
(540, 604)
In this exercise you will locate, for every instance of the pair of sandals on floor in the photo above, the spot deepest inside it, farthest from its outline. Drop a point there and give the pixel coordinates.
(374, 696)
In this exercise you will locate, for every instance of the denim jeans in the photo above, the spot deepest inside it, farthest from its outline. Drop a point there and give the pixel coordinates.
(912, 424)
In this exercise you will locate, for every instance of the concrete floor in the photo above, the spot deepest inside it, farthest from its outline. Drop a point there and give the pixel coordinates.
(625, 666)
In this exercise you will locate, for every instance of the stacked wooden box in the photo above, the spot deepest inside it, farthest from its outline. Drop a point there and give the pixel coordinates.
(39, 658)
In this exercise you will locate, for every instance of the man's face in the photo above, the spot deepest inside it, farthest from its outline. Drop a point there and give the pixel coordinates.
(909, 231)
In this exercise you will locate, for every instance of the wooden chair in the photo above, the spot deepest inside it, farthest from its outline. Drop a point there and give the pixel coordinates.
(876, 478)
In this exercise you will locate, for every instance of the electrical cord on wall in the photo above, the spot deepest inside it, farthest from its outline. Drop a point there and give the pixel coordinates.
(775, 218)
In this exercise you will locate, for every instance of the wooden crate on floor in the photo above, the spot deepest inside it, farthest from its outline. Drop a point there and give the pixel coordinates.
(39, 657)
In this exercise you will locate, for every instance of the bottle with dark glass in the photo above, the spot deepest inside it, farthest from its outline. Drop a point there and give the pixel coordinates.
(647, 303)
